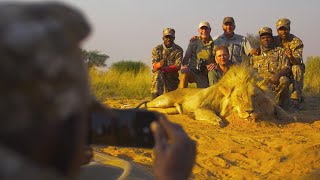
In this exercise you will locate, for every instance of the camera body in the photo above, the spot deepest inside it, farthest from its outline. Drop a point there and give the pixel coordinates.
(121, 127)
(201, 65)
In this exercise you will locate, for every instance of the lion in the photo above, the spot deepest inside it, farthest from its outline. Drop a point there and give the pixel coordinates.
(239, 91)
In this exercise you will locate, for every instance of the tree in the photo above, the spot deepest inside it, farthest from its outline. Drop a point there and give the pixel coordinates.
(254, 40)
(94, 58)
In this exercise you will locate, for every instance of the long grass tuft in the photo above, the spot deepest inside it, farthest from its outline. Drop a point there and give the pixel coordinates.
(125, 79)
(312, 74)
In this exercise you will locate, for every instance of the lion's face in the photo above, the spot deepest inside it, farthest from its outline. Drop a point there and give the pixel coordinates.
(244, 100)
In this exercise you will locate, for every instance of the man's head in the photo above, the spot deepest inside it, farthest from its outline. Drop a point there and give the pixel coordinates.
(168, 37)
(266, 37)
(222, 55)
(283, 28)
(204, 30)
(44, 92)
(228, 25)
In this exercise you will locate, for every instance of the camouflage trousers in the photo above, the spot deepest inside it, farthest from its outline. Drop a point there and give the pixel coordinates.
(163, 83)
(298, 76)
(282, 91)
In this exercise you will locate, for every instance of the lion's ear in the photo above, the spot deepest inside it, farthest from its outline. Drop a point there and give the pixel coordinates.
(225, 90)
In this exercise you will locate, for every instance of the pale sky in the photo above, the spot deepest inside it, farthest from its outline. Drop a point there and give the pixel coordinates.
(129, 29)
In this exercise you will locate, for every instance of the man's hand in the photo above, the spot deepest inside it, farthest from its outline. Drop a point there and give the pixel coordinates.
(211, 66)
(175, 152)
(194, 39)
(158, 65)
(184, 69)
(255, 51)
(288, 53)
(274, 80)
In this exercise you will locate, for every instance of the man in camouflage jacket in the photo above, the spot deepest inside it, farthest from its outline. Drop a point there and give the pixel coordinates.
(273, 65)
(293, 50)
(166, 62)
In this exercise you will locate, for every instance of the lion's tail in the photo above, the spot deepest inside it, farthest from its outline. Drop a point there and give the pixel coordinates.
(140, 104)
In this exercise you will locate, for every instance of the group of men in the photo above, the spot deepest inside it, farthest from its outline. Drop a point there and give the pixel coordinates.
(278, 60)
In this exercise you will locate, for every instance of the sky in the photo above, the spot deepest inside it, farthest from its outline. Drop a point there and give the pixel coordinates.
(130, 29)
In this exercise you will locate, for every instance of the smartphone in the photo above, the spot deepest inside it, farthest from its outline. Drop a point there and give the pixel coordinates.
(122, 127)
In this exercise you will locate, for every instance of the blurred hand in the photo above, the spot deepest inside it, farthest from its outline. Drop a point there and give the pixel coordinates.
(288, 53)
(184, 69)
(161, 63)
(211, 66)
(274, 80)
(175, 152)
(87, 155)
(256, 51)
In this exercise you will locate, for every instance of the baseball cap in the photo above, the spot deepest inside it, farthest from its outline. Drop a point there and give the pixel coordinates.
(168, 32)
(204, 23)
(283, 22)
(228, 19)
(265, 30)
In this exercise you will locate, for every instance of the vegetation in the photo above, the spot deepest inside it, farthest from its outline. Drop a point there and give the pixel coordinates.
(125, 79)
(129, 66)
(312, 74)
(254, 40)
(94, 58)
(129, 79)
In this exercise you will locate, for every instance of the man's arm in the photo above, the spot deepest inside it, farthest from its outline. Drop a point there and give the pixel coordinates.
(177, 63)
(157, 62)
(295, 54)
(285, 69)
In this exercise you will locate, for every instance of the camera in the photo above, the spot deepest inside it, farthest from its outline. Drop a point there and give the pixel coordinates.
(121, 127)
(201, 65)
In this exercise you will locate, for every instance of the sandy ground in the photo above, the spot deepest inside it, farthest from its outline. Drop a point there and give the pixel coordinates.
(245, 149)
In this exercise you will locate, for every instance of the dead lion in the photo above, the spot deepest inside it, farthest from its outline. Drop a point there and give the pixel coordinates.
(240, 91)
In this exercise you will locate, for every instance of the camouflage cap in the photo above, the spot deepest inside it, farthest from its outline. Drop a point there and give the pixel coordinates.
(168, 32)
(228, 19)
(204, 23)
(265, 30)
(283, 22)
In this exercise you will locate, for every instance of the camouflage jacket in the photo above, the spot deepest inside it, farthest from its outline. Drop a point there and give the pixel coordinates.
(270, 62)
(237, 45)
(172, 56)
(198, 50)
(166, 81)
(294, 44)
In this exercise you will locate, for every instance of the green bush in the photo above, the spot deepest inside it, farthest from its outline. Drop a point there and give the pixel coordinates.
(312, 74)
(129, 66)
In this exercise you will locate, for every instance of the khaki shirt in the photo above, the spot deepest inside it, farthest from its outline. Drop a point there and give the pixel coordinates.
(294, 44)
(237, 45)
(269, 63)
(198, 50)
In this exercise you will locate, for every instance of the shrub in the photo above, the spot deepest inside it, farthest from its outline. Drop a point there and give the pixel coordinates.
(129, 66)
(312, 74)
